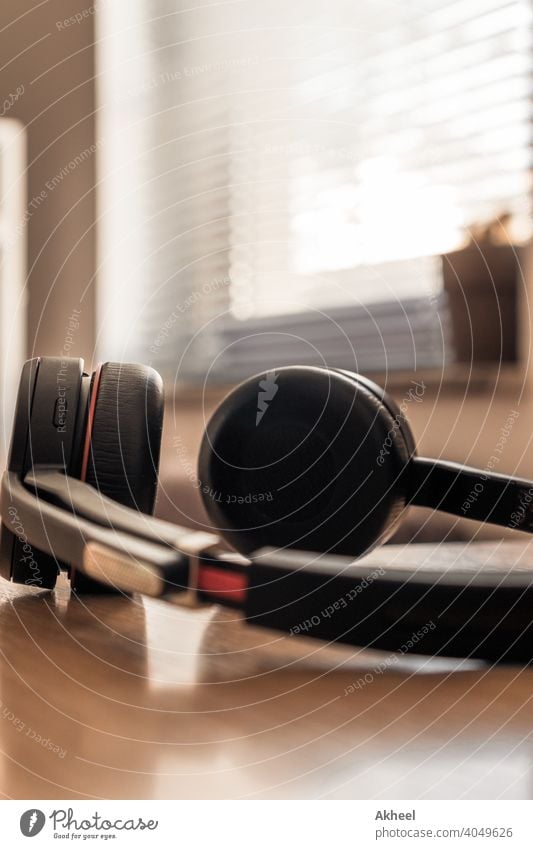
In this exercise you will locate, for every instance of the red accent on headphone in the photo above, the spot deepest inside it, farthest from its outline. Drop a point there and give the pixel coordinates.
(90, 423)
(87, 443)
(221, 584)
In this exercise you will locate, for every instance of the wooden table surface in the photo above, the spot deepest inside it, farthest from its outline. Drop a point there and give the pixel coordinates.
(121, 698)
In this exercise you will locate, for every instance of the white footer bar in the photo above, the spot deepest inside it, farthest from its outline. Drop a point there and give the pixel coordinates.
(268, 824)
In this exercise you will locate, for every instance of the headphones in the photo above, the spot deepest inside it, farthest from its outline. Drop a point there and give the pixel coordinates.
(302, 470)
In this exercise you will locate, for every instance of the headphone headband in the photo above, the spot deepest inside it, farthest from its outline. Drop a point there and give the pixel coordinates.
(477, 609)
(470, 611)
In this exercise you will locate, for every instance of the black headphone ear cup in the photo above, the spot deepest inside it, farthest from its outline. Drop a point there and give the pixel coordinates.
(123, 440)
(400, 421)
(50, 404)
(320, 466)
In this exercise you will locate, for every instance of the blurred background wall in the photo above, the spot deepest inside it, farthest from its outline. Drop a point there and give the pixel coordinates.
(54, 65)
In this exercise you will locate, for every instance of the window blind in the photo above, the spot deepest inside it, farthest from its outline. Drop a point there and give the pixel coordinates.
(306, 159)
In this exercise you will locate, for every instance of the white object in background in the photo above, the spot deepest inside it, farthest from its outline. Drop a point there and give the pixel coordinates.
(13, 306)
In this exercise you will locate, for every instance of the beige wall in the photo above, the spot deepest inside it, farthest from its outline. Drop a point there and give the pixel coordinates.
(55, 65)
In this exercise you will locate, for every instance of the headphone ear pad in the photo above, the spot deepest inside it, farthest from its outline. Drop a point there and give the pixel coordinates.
(125, 438)
(123, 441)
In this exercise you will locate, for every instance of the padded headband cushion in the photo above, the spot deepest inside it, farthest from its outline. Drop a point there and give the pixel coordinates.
(126, 434)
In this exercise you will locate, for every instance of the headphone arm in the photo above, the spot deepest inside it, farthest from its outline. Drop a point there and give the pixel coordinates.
(468, 611)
